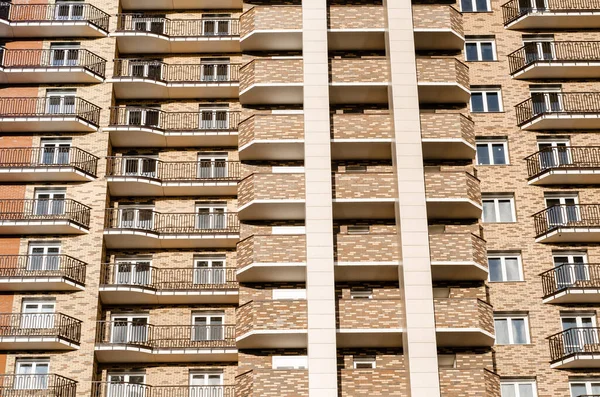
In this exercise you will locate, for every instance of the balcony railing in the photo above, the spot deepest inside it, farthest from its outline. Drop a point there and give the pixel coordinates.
(49, 157)
(58, 106)
(112, 389)
(202, 170)
(556, 51)
(205, 27)
(165, 336)
(564, 158)
(178, 223)
(209, 120)
(566, 215)
(59, 12)
(45, 209)
(42, 266)
(573, 341)
(571, 275)
(54, 58)
(172, 279)
(40, 324)
(50, 385)
(208, 73)
(557, 103)
(515, 9)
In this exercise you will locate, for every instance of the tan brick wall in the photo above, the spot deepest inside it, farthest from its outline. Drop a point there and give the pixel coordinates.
(463, 313)
(452, 247)
(361, 126)
(442, 70)
(276, 17)
(271, 315)
(271, 127)
(271, 71)
(376, 247)
(267, 248)
(369, 313)
(463, 382)
(452, 184)
(261, 186)
(447, 125)
(363, 185)
(344, 15)
(272, 383)
(359, 70)
(430, 16)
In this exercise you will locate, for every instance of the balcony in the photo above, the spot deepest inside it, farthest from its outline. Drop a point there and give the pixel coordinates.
(289, 382)
(571, 223)
(359, 80)
(575, 348)
(272, 137)
(570, 283)
(137, 342)
(272, 82)
(361, 136)
(437, 27)
(110, 389)
(151, 34)
(363, 195)
(560, 111)
(47, 164)
(135, 126)
(559, 14)
(358, 328)
(355, 26)
(175, 5)
(452, 195)
(447, 136)
(366, 257)
(52, 20)
(463, 322)
(50, 114)
(271, 28)
(565, 165)
(278, 196)
(485, 382)
(389, 381)
(141, 284)
(271, 324)
(39, 331)
(132, 227)
(143, 176)
(37, 385)
(458, 257)
(442, 81)
(43, 216)
(142, 79)
(41, 273)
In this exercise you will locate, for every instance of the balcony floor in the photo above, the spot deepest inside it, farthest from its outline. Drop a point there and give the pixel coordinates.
(578, 360)
(125, 295)
(292, 149)
(136, 136)
(560, 70)
(117, 238)
(50, 29)
(41, 227)
(463, 337)
(273, 94)
(458, 271)
(561, 121)
(449, 92)
(58, 123)
(572, 295)
(140, 88)
(43, 174)
(359, 92)
(453, 209)
(440, 149)
(557, 20)
(114, 353)
(48, 75)
(567, 177)
(272, 40)
(272, 272)
(141, 186)
(38, 283)
(39, 343)
(571, 235)
(372, 271)
(438, 39)
(151, 43)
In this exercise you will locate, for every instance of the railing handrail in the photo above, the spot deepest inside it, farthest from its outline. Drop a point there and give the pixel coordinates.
(85, 207)
(143, 15)
(62, 385)
(566, 102)
(16, 266)
(181, 73)
(566, 157)
(175, 27)
(60, 209)
(570, 275)
(34, 157)
(558, 51)
(95, 57)
(40, 106)
(90, 13)
(512, 10)
(566, 215)
(108, 388)
(41, 324)
(174, 170)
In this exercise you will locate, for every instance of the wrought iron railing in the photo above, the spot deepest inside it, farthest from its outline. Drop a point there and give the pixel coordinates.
(566, 215)
(173, 223)
(570, 275)
(563, 157)
(49, 157)
(59, 12)
(40, 324)
(202, 170)
(43, 266)
(156, 24)
(555, 51)
(557, 102)
(574, 341)
(165, 336)
(187, 73)
(49, 107)
(45, 209)
(54, 58)
(515, 9)
(47, 385)
(111, 389)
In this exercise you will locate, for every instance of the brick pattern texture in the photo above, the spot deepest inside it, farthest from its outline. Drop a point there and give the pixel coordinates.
(270, 127)
(447, 125)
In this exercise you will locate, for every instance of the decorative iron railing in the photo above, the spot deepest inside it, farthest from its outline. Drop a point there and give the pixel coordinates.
(51, 106)
(566, 215)
(42, 266)
(110, 389)
(564, 158)
(49, 157)
(45, 209)
(58, 12)
(202, 170)
(515, 9)
(54, 58)
(50, 385)
(40, 324)
(203, 120)
(573, 341)
(156, 24)
(570, 275)
(555, 51)
(557, 103)
(208, 73)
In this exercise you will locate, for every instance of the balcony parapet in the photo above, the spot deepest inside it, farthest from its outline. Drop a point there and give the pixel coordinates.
(109, 389)
(21, 268)
(21, 329)
(44, 210)
(37, 385)
(559, 110)
(568, 223)
(575, 348)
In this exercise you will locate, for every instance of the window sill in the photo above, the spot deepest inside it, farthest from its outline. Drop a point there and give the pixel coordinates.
(491, 165)
(499, 223)
(478, 61)
(500, 111)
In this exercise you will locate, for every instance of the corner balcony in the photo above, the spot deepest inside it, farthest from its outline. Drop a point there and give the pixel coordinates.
(36, 385)
(141, 284)
(271, 28)
(151, 34)
(272, 324)
(485, 382)
(458, 257)
(290, 382)
(52, 20)
(564, 165)
(143, 176)
(138, 126)
(355, 27)
(144, 228)
(110, 389)
(360, 80)
(39, 331)
(142, 79)
(463, 322)
(41, 273)
(443, 81)
(575, 348)
(175, 5)
(571, 223)
(572, 283)
(447, 136)
(44, 216)
(357, 327)
(51, 114)
(437, 27)
(559, 14)
(452, 195)
(364, 195)
(560, 111)
(263, 196)
(266, 81)
(361, 136)
(139, 342)
(272, 137)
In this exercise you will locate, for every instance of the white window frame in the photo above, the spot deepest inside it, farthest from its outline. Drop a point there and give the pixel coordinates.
(139, 162)
(503, 257)
(143, 111)
(588, 386)
(57, 147)
(214, 123)
(489, 143)
(478, 43)
(212, 171)
(39, 317)
(364, 362)
(497, 207)
(212, 331)
(135, 275)
(289, 362)
(288, 294)
(65, 60)
(126, 387)
(474, 7)
(213, 64)
(516, 382)
(136, 223)
(49, 207)
(206, 375)
(62, 108)
(484, 93)
(75, 13)
(46, 263)
(40, 381)
(509, 319)
(216, 18)
(210, 274)
(129, 317)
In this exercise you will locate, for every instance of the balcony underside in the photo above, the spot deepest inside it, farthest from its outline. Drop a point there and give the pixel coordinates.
(365, 338)
(438, 39)
(272, 272)
(272, 210)
(272, 94)
(376, 208)
(562, 121)
(140, 186)
(151, 43)
(139, 5)
(452, 209)
(361, 149)
(463, 337)
(50, 29)
(109, 353)
(45, 124)
(356, 39)
(273, 150)
(272, 40)
(39, 283)
(571, 235)
(136, 136)
(567, 177)
(48, 75)
(578, 360)
(447, 149)
(116, 238)
(43, 174)
(129, 294)
(39, 343)
(443, 93)
(571, 295)
(366, 271)
(41, 227)
(273, 339)
(560, 70)
(350, 93)
(457, 271)
(134, 88)
(583, 19)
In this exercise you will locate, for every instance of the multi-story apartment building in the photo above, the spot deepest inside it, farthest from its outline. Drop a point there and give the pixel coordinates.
(299, 198)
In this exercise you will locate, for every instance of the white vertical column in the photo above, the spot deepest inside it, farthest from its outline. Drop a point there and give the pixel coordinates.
(420, 349)
(320, 287)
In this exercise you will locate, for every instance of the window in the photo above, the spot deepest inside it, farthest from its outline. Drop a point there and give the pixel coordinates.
(358, 229)
(49, 202)
(69, 10)
(126, 384)
(211, 216)
(505, 267)
(562, 210)
(133, 271)
(37, 313)
(540, 49)
(206, 384)
(579, 331)
(441, 292)
(214, 118)
(154, 24)
(212, 165)
(585, 388)
(518, 388)
(64, 54)
(361, 293)
(129, 328)
(570, 268)
(214, 69)
(475, 6)
(147, 116)
(43, 257)
(136, 217)
(364, 362)
(209, 270)
(554, 153)
(446, 360)
(216, 24)
(480, 50)
(55, 151)
(60, 101)
(151, 69)
(356, 168)
(546, 99)
(498, 209)
(31, 374)
(140, 166)
(293, 294)
(290, 362)
(511, 330)
(208, 326)
(492, 152)
(486, 101)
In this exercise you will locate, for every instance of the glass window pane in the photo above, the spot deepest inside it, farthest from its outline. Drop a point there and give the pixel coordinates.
(466, 5)
(477, 102)
(481, 5)
(512, 269)
(508, 391)
(578, 389)
(483, 154)
(526, 390)
(498, 153)
(489, 211)
(493, 102)
(495, 265)
(471, 52)
(518, 328)
(487, 52)
(501, 326)
(505, 210)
